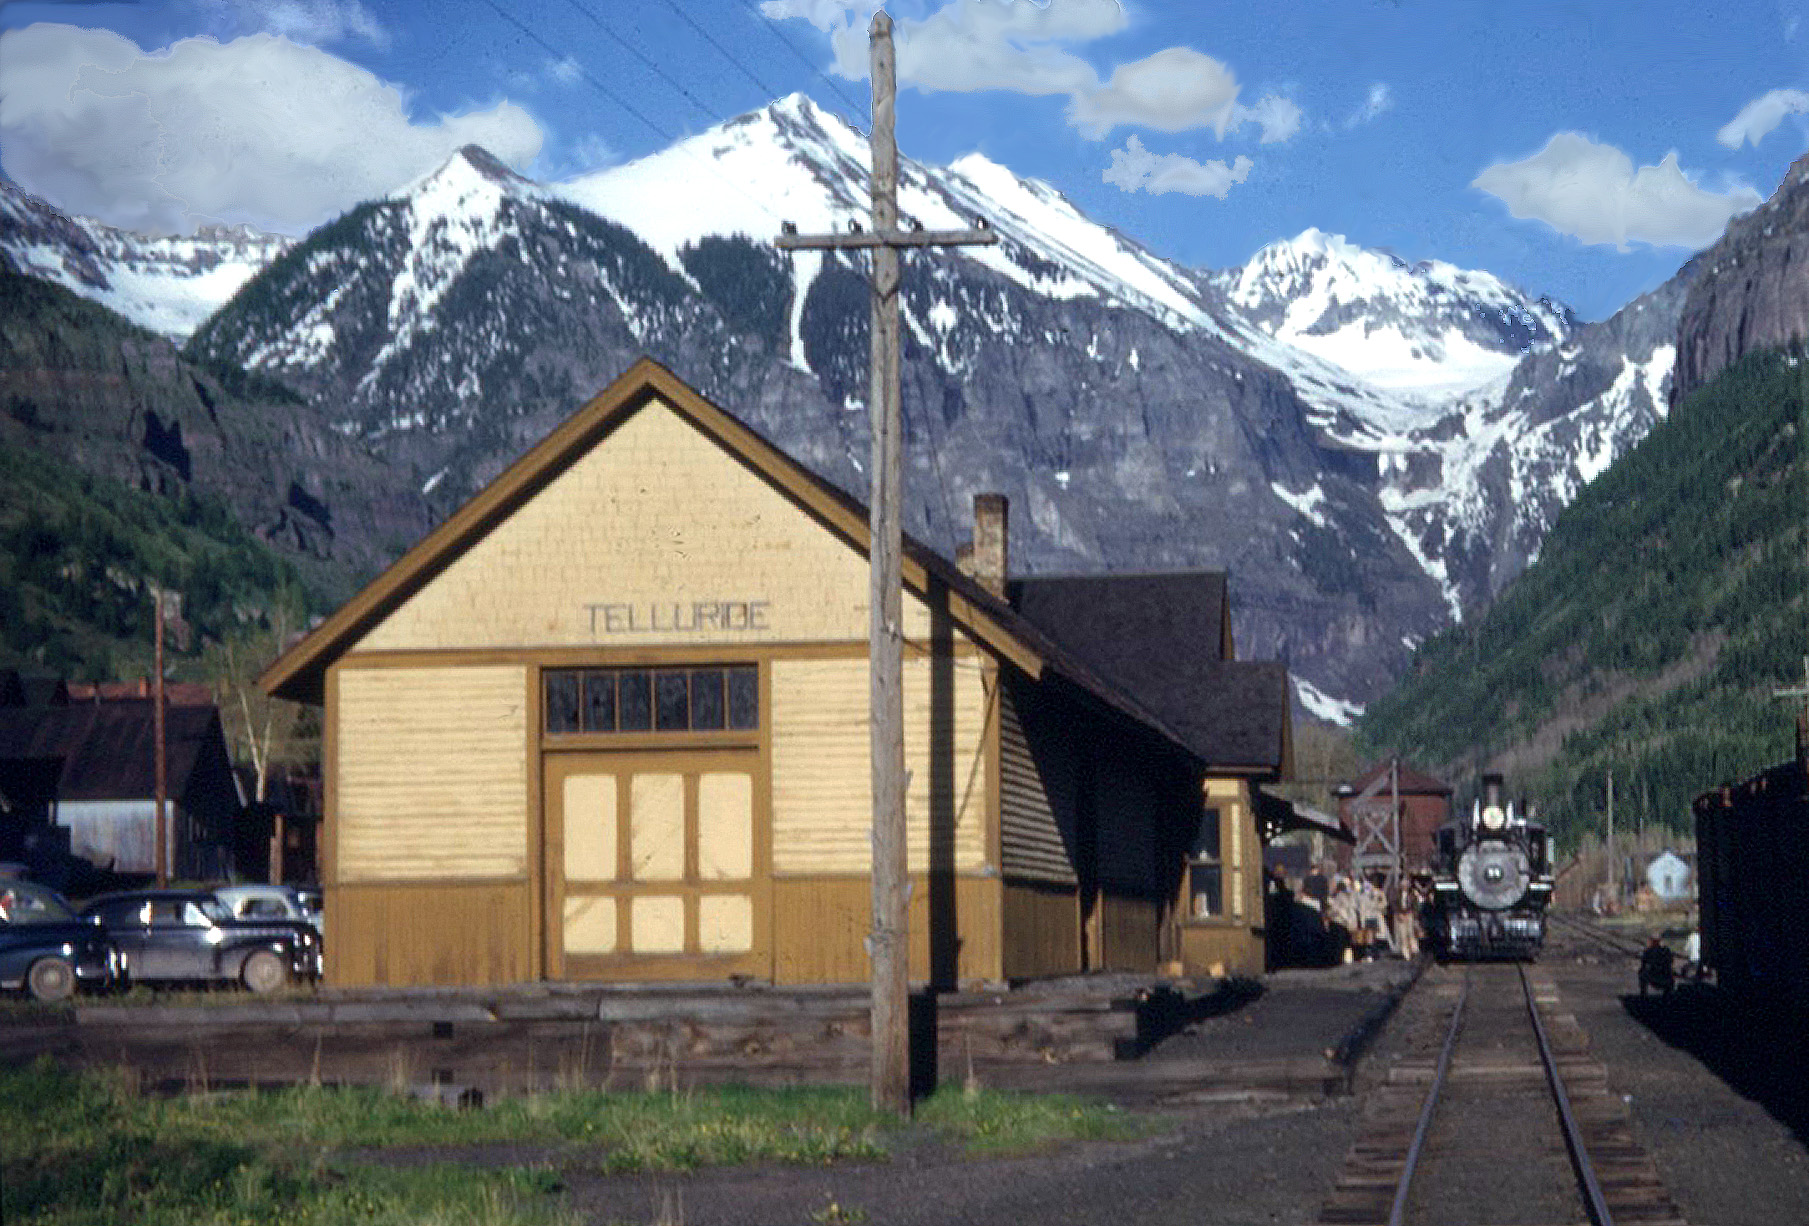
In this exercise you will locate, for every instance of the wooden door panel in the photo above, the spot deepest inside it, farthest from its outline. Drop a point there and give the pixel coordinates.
(659, 865)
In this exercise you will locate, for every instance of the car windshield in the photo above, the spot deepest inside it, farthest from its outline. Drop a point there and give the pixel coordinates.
(22, 902)
(213, 908)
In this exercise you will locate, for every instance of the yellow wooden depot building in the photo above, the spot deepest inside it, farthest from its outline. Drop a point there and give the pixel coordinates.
(608, 722)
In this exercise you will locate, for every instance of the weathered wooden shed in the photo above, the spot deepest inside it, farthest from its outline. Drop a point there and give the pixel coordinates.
(609, 722)
(88, 767)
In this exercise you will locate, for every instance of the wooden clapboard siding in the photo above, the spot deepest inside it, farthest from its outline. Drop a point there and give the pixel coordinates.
(431, 773)
(428, 933)
(1036, 784)
(820, 925)
(822, 773)
(1129, 936)
(658, 514)
(1214, 947)
(1041, 930)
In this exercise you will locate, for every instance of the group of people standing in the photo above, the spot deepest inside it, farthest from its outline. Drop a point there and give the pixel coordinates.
(1337, 917)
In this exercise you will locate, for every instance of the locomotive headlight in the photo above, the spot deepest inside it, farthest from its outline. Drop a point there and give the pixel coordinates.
(1493, 817)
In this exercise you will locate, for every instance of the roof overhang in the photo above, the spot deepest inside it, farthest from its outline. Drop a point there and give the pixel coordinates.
(1276, 816)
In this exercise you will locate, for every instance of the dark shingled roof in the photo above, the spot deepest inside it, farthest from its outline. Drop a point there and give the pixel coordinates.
(1162, 637)
(108, 749)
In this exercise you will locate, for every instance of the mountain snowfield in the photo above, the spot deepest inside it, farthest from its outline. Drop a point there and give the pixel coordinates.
(1430, 329)
(166, 284)
(1337, 404)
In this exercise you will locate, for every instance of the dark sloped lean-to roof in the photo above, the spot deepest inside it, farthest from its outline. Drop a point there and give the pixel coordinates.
(108, 749)
(1166, 638)
(1410, 781)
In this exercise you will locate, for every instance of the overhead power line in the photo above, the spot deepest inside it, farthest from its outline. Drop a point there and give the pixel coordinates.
(647, 60)
(615, 97)
(766, 91)
(859, 108)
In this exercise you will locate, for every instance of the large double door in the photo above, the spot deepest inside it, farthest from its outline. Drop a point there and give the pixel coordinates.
(658, 865)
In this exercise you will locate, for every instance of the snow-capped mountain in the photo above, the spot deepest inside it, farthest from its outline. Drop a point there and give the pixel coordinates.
(1140, 414)
(1429, 328)
(167, 284)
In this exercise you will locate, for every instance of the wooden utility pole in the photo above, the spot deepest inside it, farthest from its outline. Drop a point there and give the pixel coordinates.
(1614, 877)
(887, 944)
(162, 823)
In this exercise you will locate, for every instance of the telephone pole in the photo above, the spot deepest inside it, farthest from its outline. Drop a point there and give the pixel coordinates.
(888, 944)
(162, 824)
(1614, 877)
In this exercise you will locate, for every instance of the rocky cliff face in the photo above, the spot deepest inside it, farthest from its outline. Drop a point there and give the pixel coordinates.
(1752, 287)
(82, 387)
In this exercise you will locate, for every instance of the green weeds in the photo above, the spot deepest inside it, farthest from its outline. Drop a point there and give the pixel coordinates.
(90, 1148)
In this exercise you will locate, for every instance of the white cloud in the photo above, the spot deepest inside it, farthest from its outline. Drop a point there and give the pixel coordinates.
(971, 45)
(1379, 100)
(303, 21)
(1135, 168)
(1592, 192)
(566, 71)
(1278, 117)
(1024, 46)
(1172, 91)
(257, 130)
(825, 15)
(1758, 117)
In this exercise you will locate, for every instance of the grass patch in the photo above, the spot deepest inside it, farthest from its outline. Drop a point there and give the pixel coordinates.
(86, 1148)
(92, 1148)
(991, 1122)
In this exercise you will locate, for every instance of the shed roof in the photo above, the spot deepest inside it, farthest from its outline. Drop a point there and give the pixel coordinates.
(300, 672)
(1411, 782)
(1166, 638)
(108, 749)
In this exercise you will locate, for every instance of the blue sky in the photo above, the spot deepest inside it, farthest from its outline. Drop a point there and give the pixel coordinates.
(1577, 150)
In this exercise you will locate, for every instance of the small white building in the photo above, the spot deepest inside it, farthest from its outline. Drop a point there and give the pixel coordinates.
(1670, 876)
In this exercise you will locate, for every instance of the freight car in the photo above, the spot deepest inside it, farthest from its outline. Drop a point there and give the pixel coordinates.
(1752, 873)
(1491, 882)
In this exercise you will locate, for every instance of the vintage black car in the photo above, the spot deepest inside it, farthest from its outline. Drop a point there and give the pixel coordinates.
(189, 936)
(47, 950)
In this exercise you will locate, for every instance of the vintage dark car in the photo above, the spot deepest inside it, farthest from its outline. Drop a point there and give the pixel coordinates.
(190, 936)
(49, 951)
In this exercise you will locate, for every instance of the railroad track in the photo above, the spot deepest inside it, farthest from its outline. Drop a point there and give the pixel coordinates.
(1496, 1113)
(1596, 934)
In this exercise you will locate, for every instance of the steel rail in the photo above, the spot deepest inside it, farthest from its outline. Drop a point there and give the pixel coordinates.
(1594, 932)
(1573, 1133)
(1398, 1210)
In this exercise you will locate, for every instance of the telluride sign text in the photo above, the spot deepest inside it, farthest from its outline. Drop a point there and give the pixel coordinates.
(679, 616)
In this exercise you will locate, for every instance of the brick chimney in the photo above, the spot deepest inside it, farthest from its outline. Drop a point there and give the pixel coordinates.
(990, 548)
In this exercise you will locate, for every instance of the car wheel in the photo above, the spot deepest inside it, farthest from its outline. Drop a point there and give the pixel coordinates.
(50, 979)
(264, 972)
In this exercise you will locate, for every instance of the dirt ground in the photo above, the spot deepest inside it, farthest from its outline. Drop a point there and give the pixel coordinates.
(1720, 1099)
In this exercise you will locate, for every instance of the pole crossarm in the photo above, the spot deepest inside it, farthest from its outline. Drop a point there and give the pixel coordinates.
(1797, 691)
(862, 239)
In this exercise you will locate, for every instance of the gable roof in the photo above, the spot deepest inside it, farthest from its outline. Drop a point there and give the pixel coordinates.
(107, 750)
(300, 673)
(1166, 638)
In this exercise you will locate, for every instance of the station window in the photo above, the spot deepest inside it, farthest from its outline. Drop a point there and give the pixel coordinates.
(715, 698)
(1205, 872)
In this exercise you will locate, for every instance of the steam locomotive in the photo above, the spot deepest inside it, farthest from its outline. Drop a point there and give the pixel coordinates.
(1491, 882)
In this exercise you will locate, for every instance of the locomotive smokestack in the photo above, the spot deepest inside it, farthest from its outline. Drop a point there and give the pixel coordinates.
(1491, 790)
